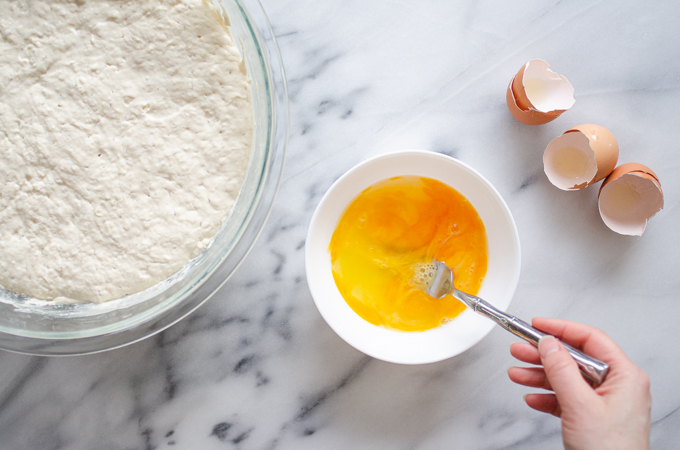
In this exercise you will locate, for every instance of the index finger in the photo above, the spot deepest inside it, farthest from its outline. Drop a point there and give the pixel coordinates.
(590, 340)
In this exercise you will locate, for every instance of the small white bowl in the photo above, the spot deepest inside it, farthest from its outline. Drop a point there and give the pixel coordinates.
(446, 340)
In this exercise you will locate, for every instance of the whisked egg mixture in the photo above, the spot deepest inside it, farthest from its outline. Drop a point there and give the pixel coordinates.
(390, 229)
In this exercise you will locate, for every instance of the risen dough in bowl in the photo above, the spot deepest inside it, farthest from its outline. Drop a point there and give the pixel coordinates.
(125, 131)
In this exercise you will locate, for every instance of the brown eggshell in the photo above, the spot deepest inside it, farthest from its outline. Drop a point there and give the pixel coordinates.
(635, 222)
(518, 91)
(645, 172)
(605, 146)
(596, 143)
(527, 116)
(520, 105)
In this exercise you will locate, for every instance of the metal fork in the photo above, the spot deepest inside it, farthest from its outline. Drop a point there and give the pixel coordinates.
(436, 280)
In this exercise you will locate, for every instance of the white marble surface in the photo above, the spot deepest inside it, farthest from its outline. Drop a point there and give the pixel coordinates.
(258, 368)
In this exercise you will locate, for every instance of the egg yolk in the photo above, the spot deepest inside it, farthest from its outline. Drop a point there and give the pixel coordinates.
(393, 226)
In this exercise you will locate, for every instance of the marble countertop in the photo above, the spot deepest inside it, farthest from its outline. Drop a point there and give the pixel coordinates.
(258, 368)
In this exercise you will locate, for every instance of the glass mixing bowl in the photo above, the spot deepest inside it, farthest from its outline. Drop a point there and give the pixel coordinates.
(32, 326)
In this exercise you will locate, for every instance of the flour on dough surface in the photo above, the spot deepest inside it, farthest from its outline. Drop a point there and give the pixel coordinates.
(125, 133)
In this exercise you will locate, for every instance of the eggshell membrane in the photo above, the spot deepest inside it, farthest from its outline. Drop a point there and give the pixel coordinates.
(555, 93)
(597, 144)
(558, 98)
(629, 197)
(575, 140)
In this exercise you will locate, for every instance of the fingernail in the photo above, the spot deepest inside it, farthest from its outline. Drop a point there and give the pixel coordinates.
(547, 345)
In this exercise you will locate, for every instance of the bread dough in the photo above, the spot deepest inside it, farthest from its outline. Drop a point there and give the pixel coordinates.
(125, 133)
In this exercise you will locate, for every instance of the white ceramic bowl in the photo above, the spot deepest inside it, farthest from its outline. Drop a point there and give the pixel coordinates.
(446, 340)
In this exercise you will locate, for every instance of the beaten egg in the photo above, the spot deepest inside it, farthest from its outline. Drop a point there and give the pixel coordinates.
(390, 228)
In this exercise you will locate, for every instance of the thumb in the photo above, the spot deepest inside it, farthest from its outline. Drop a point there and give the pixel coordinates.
(563, 374)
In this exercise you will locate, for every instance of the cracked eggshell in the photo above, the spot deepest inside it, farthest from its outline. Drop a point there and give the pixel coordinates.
(629, 197)
(581, 156)
(537, 95)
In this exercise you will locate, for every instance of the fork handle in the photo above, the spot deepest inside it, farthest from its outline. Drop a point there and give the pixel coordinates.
(591, 368)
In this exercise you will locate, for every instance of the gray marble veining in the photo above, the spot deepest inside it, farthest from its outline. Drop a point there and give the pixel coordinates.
(258, 368)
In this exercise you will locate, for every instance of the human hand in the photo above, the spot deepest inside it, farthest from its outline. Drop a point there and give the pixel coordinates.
(613, 415)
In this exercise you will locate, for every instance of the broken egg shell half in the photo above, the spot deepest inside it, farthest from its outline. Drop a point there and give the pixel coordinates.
(537, 95)
(629, 197)
(581, 156)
